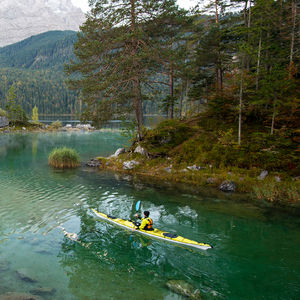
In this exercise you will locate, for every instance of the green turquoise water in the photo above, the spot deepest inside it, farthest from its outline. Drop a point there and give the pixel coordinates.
(255, 256)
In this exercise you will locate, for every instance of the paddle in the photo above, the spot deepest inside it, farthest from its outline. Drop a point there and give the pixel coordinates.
(137, 206)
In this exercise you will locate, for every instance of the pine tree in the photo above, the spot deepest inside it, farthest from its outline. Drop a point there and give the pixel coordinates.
(114, 51)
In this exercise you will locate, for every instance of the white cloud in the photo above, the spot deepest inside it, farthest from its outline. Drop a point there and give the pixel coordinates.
(187, 3)
(83, 4)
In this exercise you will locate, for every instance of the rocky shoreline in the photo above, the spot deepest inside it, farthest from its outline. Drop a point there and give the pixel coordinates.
(138, 161)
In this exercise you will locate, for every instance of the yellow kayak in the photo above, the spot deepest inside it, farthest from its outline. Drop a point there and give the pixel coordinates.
(156, 233)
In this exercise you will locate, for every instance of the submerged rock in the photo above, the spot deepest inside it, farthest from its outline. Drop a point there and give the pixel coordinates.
(18, 296)
(227, 186)
(183, 288)
(43, 291)
(93, 163)
(22, 274)
(129, 165)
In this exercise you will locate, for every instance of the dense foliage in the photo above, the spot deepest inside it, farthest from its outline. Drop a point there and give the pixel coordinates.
(237, 61)
(35, 67)
(50, 50)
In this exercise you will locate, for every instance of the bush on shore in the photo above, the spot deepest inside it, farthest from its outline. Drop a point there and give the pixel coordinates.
(3, 113)
(64, 158)
(55, 125)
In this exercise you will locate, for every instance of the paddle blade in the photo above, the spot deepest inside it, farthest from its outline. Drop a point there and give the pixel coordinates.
(137, 206)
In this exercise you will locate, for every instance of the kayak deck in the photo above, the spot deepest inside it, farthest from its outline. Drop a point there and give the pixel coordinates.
(156, 233)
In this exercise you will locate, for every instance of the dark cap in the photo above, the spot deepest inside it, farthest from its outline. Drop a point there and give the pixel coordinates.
(146, 213)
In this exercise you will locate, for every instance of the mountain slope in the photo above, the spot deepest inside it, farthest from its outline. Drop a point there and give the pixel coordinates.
(35, 68)
(47, 50)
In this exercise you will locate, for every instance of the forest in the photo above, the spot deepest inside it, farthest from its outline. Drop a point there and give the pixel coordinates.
(35, 68)
(238, 61)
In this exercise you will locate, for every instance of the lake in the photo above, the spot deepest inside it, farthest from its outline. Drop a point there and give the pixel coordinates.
(256, 252)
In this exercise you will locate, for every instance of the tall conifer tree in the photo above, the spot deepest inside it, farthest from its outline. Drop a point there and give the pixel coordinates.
(114, 50)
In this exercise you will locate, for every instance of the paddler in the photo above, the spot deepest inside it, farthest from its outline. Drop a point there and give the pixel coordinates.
(147, 222)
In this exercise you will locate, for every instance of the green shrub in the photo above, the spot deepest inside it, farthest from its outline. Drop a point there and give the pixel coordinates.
(167, 135)
(56, 125)
(64, 158)
(3, 113)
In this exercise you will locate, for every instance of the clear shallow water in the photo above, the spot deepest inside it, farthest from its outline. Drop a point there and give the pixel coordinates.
(256, 251)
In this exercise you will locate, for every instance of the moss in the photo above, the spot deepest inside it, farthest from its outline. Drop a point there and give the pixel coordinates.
(166, 136)
(3, 113)
(64, 158)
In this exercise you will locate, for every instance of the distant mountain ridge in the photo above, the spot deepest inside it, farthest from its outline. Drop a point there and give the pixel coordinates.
(50, 50)
(20, 19)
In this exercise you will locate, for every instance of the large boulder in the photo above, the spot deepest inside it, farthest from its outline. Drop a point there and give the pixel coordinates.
(24, 275)
(227, 186)
(94, 163)
(184, 289)
(119, 152)
(129, 165)
(140, 150)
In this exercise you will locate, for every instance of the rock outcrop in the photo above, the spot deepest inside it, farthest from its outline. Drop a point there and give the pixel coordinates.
(3, 122)
(24, 18)
(129, 165)
(227, 186)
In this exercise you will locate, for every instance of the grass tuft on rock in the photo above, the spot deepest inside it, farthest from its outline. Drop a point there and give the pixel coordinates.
(64, 158)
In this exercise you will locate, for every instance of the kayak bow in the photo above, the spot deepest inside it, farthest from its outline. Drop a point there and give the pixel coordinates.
(156, 233)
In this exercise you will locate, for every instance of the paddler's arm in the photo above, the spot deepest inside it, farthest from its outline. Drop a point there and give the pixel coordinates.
(137, 216)
(143, 224)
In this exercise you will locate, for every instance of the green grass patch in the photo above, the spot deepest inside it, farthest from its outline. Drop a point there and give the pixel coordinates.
(64, 158)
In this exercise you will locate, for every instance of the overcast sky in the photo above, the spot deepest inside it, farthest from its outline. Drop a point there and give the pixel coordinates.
(83, 4)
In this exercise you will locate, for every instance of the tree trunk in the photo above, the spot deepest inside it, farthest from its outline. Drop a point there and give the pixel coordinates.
(181, 101)
(138, 107)
(294, 10)
(258, 63)
(137, 101)
(171, 93)
(249, 25)
(241, 103)
(216, 11)
(273, 118)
